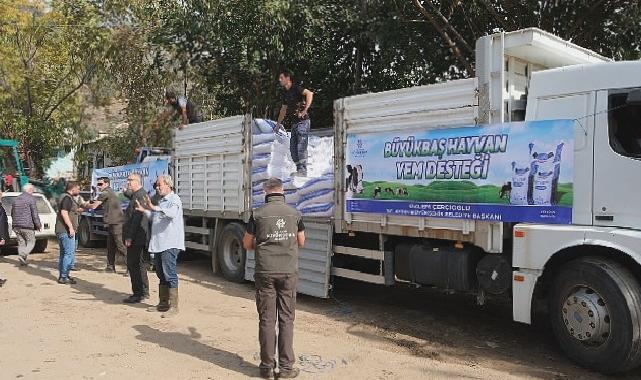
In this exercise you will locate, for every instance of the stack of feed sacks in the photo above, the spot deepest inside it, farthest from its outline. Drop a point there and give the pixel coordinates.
(313, 195)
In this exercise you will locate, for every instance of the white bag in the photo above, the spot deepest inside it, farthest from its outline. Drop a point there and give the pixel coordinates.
(520, 184)
(264, 125)
(262, 138)
(262, 148)
(318, 210)
(543, 184)
(320, 196)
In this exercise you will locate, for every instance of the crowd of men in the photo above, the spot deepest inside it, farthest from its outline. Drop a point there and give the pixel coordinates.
(275, 231)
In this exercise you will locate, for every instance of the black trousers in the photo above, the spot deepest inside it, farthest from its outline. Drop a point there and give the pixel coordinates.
(138, 265)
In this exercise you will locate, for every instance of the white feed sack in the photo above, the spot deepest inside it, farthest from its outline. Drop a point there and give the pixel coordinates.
(313, 195)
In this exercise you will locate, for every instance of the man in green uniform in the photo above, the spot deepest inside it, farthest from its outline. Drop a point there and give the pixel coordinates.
(275, 231)
(113, 217)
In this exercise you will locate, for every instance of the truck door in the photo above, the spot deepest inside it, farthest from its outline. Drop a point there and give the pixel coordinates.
(573, 106)
(617, 160)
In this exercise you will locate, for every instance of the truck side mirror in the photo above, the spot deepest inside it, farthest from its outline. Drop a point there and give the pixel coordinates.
(634, 98)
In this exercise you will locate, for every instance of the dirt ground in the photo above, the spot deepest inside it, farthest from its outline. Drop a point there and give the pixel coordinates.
(83, 331)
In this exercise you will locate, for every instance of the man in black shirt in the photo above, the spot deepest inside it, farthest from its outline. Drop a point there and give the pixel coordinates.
(180, 106)
(296, 103)
(66, 227)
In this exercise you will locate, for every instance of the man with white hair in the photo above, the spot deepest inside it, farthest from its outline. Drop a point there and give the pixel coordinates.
(167, 240)
(25, 222)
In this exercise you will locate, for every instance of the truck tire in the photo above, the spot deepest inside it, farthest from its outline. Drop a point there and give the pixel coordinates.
(41, 245)
(231, 254)
(595, 311)
(84, 234)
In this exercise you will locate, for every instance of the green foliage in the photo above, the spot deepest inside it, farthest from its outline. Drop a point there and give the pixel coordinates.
(48, 56)
(226, 55)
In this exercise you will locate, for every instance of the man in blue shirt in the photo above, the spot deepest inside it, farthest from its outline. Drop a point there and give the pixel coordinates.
(167, 240)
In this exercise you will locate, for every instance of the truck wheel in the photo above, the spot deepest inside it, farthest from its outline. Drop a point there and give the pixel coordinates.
(84, 234)
(231, 254)
(595, 311)
(41, 245)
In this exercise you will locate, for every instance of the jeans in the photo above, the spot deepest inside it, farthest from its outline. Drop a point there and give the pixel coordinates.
(26, 241)
(276, 299)
(137, 270)
(67, 253)
(165, 262)
(298, 145)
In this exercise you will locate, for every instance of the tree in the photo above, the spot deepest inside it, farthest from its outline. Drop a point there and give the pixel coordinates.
(335, 48)
(48, 56)
(608, 27)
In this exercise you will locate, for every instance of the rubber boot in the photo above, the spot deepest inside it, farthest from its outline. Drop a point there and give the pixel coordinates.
(173, 303)
(163, 299)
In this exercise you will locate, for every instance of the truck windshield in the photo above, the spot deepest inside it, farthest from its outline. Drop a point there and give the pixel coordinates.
(624, 125)
(7, 160)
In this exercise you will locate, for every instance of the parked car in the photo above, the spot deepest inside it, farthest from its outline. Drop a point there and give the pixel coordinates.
(47, 217)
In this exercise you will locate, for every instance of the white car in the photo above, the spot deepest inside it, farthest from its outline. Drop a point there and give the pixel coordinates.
(47, 218)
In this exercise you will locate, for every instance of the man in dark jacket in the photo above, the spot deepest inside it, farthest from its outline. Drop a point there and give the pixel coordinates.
(113, 218)
(136, 232)
(25, 222)
(4, 231)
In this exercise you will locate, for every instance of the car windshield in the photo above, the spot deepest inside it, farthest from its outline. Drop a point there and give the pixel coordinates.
(41, 204)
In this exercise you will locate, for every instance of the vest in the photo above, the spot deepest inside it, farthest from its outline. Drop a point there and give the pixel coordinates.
(61, 227)
(276, 237)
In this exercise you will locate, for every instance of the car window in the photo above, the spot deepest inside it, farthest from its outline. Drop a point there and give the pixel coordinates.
(41, 205)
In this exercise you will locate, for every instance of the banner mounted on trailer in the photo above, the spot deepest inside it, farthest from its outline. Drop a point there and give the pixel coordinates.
(118, 176)
(510, 172)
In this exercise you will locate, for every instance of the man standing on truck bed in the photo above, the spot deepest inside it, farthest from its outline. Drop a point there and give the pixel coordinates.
(25, 222)
(135, 232)
(180, 106)
(296, 103)
(276, 231)
(113, 218)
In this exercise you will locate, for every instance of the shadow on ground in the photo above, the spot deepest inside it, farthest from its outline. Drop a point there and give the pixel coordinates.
(189, 344)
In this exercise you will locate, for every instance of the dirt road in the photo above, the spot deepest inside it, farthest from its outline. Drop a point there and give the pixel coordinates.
(83, 331)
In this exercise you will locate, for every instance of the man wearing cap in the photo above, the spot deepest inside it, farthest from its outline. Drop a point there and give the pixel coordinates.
(275, 231)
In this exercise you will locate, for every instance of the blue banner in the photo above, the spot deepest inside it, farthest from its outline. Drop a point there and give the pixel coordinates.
(117, 175)
(510, 172)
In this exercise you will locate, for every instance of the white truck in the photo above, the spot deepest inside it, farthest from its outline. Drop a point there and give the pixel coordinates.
(587, 271)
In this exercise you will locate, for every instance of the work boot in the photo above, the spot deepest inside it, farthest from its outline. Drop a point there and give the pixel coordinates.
(110, 269)
(163, 299)
(133, 299)
(173, 304)
(289, 374)
(266, 373)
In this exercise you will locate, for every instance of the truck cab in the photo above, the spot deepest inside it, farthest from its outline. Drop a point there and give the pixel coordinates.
(589, 272)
